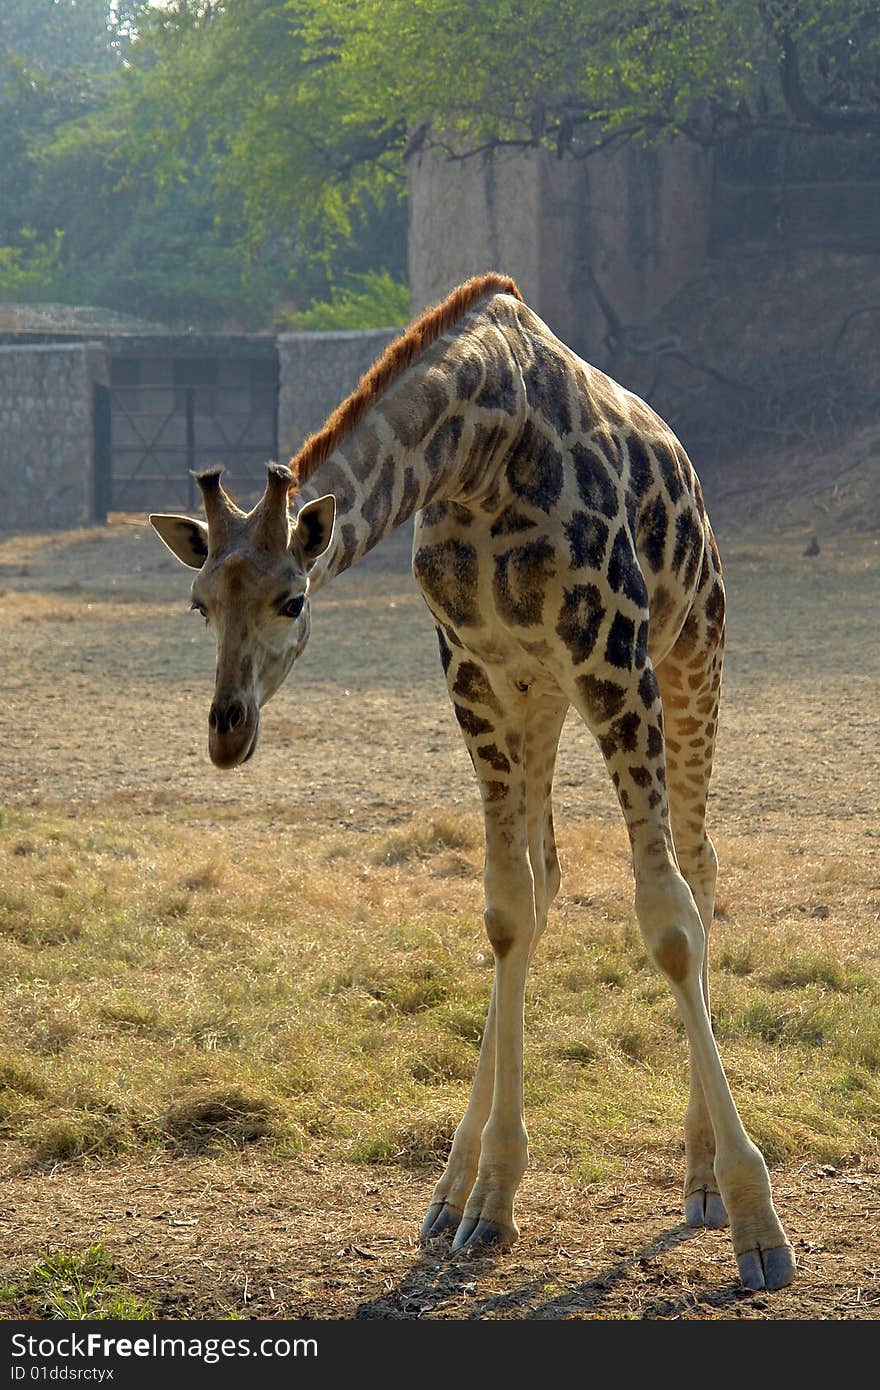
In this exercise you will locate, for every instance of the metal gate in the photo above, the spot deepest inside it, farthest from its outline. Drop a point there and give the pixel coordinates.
(161, 418)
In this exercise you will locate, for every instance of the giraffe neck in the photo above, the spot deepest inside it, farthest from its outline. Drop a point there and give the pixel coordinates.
(445, 420)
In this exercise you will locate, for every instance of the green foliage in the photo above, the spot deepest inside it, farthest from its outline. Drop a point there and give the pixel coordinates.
(569, 73)
(214, 163)
(30, 270)
(371, 300)
(63, 34)
(185, 221)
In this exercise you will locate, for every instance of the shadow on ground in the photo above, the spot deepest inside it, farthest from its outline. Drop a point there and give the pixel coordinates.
(437, 1286)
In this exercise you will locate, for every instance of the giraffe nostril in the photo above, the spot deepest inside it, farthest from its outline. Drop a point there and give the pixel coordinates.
(226, 719)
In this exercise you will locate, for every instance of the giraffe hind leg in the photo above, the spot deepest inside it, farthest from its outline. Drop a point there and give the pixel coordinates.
(689, 680)
(626, 718)
(545, 715)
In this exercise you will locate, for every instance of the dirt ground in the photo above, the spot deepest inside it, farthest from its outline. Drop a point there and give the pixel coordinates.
(106, 690)
(309, 1241)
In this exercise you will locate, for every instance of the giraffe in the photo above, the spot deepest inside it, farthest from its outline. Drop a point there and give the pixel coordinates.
(564, 551)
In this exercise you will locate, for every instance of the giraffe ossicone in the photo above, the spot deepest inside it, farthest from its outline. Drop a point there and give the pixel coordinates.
(563, 548)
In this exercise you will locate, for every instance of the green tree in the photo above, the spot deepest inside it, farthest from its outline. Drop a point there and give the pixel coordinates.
(208, 159)
(304, 110)
(575, 74)
(228, 90)
(57, 35)
(56, 57)
(202, 207)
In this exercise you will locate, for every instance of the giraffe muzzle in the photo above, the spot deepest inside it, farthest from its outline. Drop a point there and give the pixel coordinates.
(233, 728)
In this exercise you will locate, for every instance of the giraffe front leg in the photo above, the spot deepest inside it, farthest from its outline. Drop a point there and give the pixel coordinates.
(537, 749)
(489, 1153)
(510, 924)
(454, 1188)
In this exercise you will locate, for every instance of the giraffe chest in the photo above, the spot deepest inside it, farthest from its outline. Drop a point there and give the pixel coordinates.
(496, 591)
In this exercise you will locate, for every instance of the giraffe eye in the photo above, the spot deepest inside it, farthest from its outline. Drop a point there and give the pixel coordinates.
(293, 607)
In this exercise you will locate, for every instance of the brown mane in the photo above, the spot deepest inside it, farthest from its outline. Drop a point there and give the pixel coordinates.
(398, 355)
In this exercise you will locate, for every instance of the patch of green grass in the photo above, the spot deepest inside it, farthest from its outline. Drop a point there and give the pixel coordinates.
(581, 1052)
(69, 1133)
(41, 922)
(807, 968)
(54, 1036)
(19, 1076)
(68, 1287)
(465, 1023)
(442, 1063)
(401, 991)
(132, 1014)
(636, 1044)
(772, 1022)
(737, 957)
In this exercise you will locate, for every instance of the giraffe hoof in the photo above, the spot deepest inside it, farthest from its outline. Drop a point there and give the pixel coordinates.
(441, 1219)
(704, 1208)
(474, 1232)
(767, 1269)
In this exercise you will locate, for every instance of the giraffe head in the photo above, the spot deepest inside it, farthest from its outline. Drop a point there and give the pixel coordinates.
(252, 586)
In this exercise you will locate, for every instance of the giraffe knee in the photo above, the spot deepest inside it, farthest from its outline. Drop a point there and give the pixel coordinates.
(674, 951)
(501, 931)
(672, 930)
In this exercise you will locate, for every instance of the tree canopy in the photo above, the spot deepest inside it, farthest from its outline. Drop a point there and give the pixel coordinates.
(213, 158)
(573, 73)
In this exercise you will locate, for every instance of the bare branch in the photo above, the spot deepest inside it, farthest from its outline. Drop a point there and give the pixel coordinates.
(802, 107)
(839, 336)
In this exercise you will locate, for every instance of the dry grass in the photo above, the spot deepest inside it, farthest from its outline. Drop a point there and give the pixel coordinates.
(163, 994)
(291, 963)
(206, 975)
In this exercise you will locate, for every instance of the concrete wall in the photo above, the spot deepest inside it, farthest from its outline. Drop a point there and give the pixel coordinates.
(315, 372)
(46, 434)
(639, 219)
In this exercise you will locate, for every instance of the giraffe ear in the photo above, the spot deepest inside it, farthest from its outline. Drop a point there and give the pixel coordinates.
(314, 527)
(185, 538)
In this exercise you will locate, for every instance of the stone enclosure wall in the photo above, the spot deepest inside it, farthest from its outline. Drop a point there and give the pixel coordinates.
(48, 427)
(629, 228)
(47, 434)
(734, 289)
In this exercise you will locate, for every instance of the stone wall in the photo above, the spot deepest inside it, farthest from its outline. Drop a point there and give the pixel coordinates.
(315, 372)
(47, 442)
(47, 434)
(638, 219)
